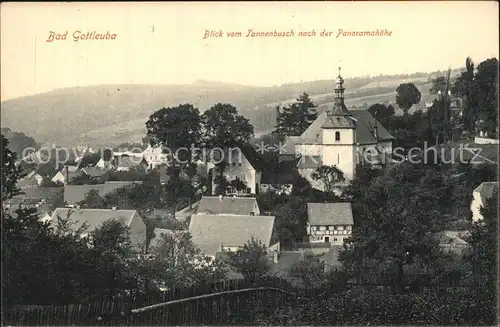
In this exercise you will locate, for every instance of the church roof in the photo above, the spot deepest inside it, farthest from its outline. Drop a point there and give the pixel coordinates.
(343, 120)
(364, 129)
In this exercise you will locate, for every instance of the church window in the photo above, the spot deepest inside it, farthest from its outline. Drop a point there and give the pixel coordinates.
(337, 136)
(338, 158)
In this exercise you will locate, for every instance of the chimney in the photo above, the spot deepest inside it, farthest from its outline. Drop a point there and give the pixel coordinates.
(220, 197)
(275, 257)
(375, 130)
(113, 208)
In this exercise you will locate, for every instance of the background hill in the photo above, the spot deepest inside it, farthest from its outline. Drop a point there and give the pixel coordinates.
(112, 114)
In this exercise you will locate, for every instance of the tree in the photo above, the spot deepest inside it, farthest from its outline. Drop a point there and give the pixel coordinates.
(296, 118)
(10, 172)
(251, 261)
(290, 220)
(405, 207)
(330, 176)
(93, 200)
(238, 185)
(407, 95)
(311, 270)
(463, 87)
(178, 262)
(223, 128)
(438, 85)
(19, 142)
(439, 119)
(381, 111)
(485, 94)
(112, 251)
(175, 128)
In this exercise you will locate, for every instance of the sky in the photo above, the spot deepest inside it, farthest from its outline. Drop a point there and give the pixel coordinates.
(162, 43)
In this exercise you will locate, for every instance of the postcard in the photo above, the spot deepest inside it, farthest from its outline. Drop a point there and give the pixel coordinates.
(249, 163)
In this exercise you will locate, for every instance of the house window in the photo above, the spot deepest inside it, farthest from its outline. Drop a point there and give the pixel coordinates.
(335, 240)
(322, 228)
(337, 136)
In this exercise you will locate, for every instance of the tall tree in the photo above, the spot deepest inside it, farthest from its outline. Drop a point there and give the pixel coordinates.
(404, 217)
(464, 88)
(310, 270)
(179, 263)
(291, 219)
(330, 176)
(224, 128)
(407, 95)
(174, 128)
(10, 172)
(296, 118)
(19, 142)
(381, 111)
(486, 94)
(251, 261)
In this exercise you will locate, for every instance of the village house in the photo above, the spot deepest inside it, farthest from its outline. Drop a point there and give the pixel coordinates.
(480, 196)
(105, 164)
(35, 176)
(127, 162)
(24, 183)
(94, 218)
(154, 156)
(339, 137)
(241, 165)
(66, 174)
(95, 172)
(329, 222)
(215, 234)
(280, 182)
(228, 205)
(73, 194)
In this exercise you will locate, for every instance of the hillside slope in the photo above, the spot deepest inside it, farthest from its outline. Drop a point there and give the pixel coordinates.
(110, 114)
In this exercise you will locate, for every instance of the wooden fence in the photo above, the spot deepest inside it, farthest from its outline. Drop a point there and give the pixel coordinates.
(225, 302)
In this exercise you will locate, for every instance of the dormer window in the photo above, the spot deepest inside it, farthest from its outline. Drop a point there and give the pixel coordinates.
(337, 136)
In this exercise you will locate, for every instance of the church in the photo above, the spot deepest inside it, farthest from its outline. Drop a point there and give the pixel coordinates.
(339, 137)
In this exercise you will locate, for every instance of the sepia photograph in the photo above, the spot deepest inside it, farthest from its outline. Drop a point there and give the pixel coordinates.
(304, 163)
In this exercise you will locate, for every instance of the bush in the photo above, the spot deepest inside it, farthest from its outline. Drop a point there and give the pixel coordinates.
(381, 308)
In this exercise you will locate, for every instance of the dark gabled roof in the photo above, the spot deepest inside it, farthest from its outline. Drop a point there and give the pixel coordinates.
(94, 171)
(126, 161)
(227, 205)
(285, 175)
(365, 125)
(308, 162)
(77, 193)
(327, 214)
(339, 122)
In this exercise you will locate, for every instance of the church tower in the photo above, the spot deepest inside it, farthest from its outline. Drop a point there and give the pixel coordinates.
(339, 135)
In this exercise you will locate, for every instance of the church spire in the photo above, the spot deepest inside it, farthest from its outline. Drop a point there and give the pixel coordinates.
(339, 116)
(339, 108)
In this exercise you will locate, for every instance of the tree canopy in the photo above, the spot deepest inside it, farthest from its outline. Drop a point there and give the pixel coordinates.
(407, 95)
(294, 119)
